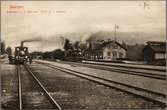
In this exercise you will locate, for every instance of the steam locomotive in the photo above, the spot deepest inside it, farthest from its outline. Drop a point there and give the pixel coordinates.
(21, 55)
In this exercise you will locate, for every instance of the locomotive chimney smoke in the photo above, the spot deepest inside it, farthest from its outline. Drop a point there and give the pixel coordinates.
(31, 40)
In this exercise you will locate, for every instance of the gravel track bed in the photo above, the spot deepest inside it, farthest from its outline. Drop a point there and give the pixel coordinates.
(72, 92)
(9, 87)
(32, 95)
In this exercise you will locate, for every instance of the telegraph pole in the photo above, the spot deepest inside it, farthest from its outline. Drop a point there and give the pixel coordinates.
(115, 31)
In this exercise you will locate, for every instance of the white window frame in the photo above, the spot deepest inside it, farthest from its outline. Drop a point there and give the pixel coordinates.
(160, 55)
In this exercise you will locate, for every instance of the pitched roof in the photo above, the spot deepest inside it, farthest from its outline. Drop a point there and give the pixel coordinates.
(100, 46)
(157, 46)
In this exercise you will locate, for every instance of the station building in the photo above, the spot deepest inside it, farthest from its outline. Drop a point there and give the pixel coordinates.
(108, 51)
(155, 53)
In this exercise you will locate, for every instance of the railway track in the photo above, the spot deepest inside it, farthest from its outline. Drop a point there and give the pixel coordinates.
(19, 86)
(20, 93)
(130, 66)
(137, 91)
(122, 70)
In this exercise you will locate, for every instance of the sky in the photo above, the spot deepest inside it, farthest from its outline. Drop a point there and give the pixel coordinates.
(48, 20)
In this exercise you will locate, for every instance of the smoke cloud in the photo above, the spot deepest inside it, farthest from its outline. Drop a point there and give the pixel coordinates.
(32, 40)
(128, 37)
(43, 43)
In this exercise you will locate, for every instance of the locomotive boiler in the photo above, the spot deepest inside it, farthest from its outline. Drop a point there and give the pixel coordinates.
(22, 55)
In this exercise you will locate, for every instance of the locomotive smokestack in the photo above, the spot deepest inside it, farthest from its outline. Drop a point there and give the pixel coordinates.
(22, 44)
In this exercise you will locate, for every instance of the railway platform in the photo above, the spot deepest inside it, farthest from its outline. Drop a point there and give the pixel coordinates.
(127, 65)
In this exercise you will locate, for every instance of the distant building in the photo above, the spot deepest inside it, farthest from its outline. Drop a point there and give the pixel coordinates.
(155, 53)
(110, 51)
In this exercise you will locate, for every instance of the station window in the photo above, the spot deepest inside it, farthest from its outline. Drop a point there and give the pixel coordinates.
(115, 46)
(120, 55)
(115, 54)
(108, 46)
(109, 53)
(160, 56)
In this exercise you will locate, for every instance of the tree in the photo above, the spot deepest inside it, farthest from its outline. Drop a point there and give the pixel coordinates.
(9, 51)
(67, 44)
(76, 45)
(2, 47)
(47, 55)
(58, 54)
